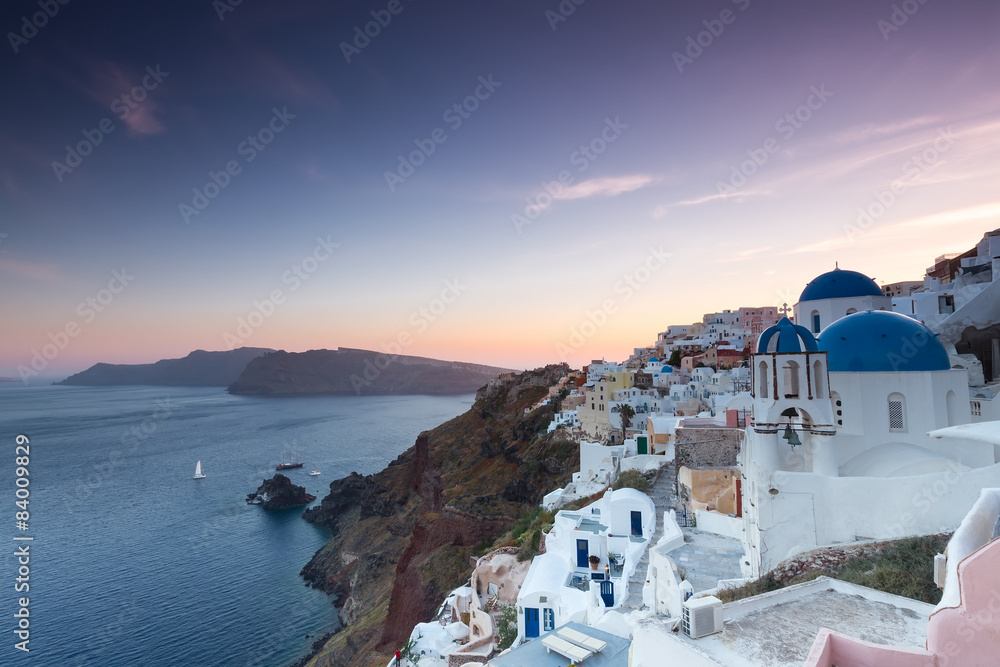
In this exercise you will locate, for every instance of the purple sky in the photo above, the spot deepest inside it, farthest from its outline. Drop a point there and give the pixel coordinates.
(480, 179)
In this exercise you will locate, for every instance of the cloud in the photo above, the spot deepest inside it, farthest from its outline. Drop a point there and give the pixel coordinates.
(740, 255)
(923, 225)
(739, 195)
(106, 82)
(869, 131)
(606, 187)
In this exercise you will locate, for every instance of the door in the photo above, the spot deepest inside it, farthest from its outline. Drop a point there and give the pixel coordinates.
(637, 523)
(608, 593)
(641, 444)
(530, 622)
(582, 553)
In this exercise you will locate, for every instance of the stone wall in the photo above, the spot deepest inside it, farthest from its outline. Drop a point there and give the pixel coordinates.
(692, 451)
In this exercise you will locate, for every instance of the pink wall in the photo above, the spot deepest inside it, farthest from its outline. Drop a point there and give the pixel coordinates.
(969, 635)
(832, 649)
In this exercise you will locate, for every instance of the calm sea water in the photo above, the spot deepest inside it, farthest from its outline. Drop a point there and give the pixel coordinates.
(136, 563)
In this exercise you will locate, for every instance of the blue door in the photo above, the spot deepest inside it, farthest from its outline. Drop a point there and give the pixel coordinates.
(582, 553)
(530, 622)
(608, 593)
(637, 523)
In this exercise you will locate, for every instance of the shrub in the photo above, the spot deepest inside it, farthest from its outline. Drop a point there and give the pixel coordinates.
(631, 479)
(506, 623)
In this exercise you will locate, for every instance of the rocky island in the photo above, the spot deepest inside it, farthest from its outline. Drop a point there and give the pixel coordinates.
(402, 538)
(279, 493)
(359, 372)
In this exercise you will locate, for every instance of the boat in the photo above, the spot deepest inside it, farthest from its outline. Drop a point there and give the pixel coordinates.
(198, 474)
(289, 465)
(315, 472)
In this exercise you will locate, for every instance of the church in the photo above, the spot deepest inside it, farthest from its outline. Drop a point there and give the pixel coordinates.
(842, 445)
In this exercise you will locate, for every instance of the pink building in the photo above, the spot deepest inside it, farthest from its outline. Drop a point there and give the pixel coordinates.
(964, 629)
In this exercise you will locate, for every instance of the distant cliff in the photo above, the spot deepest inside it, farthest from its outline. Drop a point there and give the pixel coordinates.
(198, 369)
(402, 538)
(363, 372)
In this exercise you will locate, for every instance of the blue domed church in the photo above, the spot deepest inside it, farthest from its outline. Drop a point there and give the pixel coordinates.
(838, 448)
(837, 294)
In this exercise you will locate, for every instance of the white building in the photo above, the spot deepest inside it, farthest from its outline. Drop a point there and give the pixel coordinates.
(562, 585)
(838, 449)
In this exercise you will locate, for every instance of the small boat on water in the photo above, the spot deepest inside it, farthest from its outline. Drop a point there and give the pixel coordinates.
(315, 472)
(198, 474)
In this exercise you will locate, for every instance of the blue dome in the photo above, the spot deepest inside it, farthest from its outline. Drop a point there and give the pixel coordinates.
(653, 360)
(879, 341)
(786, 337)
(838, 284)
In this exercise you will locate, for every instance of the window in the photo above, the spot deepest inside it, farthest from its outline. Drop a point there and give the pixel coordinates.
(548, 619)
(897, 412)
(946, 304)
(851, 311)
(762, 378)
(815, 321)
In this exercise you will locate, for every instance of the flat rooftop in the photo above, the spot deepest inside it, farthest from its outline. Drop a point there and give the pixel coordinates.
(533, 653)
(778, 628)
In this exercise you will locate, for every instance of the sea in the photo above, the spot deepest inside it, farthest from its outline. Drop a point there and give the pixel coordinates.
(134, 562)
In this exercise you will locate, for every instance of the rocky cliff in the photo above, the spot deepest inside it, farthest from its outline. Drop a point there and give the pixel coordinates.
(279, 493)
(198, 369)
(402, 538)
(362, 372)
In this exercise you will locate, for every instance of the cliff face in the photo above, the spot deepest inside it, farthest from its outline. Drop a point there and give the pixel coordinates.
(362, 372)
(198, 369)
(402, 538)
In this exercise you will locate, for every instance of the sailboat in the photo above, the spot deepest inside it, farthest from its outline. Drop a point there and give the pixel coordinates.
(292, 463)
(198, 474)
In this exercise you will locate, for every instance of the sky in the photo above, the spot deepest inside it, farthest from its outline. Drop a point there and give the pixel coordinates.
(503, 182)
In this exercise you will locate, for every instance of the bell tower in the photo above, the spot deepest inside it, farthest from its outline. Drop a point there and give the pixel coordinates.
(791, 399)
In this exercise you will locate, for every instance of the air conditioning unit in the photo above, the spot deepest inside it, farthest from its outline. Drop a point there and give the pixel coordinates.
(702, 616)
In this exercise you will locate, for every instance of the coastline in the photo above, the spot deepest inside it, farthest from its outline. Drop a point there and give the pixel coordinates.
(401, 539)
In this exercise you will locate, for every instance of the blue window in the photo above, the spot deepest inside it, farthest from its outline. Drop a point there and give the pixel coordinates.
(548, 619)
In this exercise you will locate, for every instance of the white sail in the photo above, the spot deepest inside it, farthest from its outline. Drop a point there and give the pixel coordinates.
(197, 471)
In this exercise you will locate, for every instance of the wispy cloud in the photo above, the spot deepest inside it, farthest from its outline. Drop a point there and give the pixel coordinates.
(740, 255)
(869, 131)
(106, 82)
(606, 187)
(927, 224)
(738, 195)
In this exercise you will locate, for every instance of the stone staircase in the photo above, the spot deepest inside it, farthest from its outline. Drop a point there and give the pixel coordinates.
(663, 496)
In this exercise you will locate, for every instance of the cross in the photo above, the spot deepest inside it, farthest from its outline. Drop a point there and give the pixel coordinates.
(784, 309)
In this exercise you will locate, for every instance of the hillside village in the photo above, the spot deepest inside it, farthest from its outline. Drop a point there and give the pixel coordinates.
(764, 443)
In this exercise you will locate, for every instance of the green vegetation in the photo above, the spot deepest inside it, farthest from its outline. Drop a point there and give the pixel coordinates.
(765, 584)
(627, 412)
(631, 479)
(506, 627)
(675, 359)
(408, 651)
(904, 567)
(530, 538)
